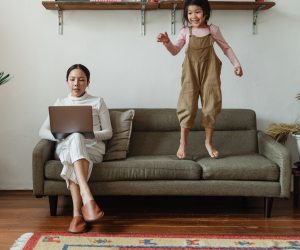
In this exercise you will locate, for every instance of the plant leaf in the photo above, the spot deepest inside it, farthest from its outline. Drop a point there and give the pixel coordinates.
(4, 78)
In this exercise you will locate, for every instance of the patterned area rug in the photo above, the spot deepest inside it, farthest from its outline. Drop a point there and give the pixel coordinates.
(97, 241)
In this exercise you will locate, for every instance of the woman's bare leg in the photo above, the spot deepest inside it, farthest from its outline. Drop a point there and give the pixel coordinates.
(76, 198)
(77, 224)
(184, 134)
(81, 170)
(208, 143)
(90, 210)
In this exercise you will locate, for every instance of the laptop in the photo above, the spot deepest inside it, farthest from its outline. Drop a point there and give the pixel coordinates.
(65, 120)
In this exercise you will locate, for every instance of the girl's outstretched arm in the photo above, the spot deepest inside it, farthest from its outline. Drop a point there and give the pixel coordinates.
(172, 48)
(238, 71)
(163, 38)
(227, 50)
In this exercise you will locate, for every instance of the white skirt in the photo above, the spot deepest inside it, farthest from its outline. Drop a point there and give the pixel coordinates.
(74, 148)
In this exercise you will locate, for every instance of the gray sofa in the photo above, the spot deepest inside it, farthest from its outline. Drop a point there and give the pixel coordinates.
(252, 164)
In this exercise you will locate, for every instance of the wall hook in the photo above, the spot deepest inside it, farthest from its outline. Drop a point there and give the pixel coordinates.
(143, 18)
(255, 15)
(173, 19)
(60, 19)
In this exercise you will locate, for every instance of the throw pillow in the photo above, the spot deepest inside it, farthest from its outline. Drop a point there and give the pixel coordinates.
(117, 147)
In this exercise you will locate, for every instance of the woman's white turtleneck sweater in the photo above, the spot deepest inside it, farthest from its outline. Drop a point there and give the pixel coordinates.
(101, 119)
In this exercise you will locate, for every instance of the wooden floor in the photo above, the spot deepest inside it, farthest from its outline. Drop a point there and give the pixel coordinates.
(21, 212)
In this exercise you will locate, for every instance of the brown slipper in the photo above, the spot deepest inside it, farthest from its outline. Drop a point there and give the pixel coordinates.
(91, 212)
(77, 225)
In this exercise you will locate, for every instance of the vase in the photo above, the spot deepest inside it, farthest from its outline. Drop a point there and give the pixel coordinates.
(297, 138)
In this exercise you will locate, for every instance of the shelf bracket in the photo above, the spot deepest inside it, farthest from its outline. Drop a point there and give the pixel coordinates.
(255, 15)
(143, 18)
(60, 19)
(173, 20)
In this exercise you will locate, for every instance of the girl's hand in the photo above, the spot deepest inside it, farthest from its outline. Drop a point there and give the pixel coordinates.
(163, 38)
(238, 71)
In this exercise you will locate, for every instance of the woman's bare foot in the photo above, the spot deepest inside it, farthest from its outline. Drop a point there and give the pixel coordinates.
(181, 153)
(213, 153)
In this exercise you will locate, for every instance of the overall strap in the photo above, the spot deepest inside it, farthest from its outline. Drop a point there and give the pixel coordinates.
(209, 27)
(190, 31)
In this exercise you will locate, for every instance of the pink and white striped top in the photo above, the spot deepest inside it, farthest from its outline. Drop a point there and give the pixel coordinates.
(184, 36)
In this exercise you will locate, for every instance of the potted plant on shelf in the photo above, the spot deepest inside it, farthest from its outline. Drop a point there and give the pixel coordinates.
(4, 78)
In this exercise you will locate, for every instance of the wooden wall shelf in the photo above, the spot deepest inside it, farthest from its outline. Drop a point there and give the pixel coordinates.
(67, 5)
(60, 6)
(215, 5)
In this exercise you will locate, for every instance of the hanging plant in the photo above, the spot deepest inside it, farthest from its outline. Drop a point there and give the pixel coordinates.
(4, 78)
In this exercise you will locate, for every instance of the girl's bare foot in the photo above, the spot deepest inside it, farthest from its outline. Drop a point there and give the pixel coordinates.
(181, 153)
(213, 153)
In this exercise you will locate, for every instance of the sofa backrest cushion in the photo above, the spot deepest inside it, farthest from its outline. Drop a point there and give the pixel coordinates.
(166, 120)
(156, 132)
(117, 147)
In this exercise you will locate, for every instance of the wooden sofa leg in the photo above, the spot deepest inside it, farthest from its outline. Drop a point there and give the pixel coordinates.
(268, 206)
(53, 204)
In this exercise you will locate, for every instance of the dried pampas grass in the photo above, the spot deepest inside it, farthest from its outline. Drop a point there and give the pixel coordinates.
(281, 131)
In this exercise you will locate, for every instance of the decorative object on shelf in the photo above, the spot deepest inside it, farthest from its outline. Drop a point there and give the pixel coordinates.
(233, 1)
(145, 5)
(4, 78)
(74, 0)
(106, 1)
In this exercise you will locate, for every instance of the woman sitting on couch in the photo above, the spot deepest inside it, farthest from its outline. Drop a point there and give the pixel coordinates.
(76, 153)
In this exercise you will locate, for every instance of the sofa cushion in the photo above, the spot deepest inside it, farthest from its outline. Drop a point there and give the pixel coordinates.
(166, 120)
(154, 143)
(166, 143)
(157, 132)
(117, 146)
(136, 168)
(242, 167)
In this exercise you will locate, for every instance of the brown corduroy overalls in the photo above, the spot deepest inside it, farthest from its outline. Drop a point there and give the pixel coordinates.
(201, 70)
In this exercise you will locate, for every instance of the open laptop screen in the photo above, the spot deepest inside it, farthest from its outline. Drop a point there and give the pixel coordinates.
(65, 120)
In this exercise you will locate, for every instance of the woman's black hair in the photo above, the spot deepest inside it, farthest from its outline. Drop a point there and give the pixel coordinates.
(79, 66)
(204, 4)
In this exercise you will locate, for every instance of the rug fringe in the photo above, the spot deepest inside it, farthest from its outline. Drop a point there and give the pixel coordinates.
(20, 243)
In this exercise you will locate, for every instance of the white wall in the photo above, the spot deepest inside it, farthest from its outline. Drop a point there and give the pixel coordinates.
(129, 70)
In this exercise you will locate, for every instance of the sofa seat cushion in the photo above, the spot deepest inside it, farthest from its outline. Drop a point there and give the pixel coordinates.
(136, 168)
(252, 167)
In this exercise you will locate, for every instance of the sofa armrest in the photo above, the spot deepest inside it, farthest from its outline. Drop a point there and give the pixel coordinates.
(279, 154)
(42, 152)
